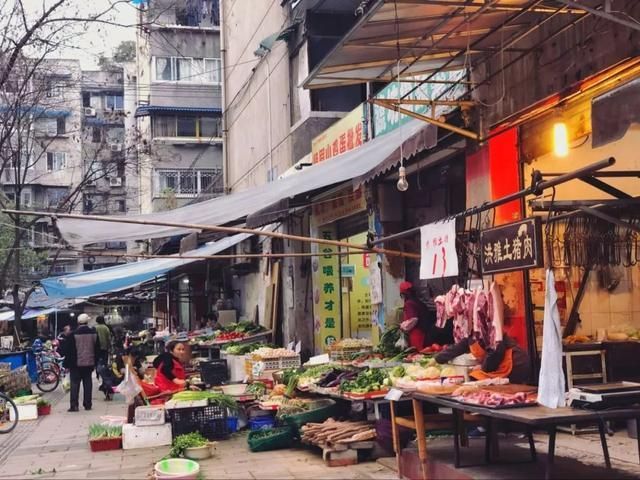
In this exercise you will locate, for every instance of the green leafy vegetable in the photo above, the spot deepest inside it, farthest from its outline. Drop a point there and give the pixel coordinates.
(188, 440)
(98, 432)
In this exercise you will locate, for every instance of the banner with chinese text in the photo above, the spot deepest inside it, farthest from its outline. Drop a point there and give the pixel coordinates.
(438, 256)
(326, 292)
(515, 246)
(346, 134)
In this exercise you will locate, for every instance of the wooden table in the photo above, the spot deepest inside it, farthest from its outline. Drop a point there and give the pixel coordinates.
(536, 417)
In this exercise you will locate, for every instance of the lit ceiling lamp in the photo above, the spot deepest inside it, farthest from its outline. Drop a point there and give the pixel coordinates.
(560, 139)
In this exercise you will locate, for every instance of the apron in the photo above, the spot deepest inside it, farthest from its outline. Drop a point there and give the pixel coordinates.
(503, 370)
(166, 385)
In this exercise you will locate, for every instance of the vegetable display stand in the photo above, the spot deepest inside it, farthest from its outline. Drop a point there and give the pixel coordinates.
(210, 421)
(105, 444)
(270, 439)
(324, 409)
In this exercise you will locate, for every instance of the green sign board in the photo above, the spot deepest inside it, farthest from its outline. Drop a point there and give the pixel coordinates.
(386, 120)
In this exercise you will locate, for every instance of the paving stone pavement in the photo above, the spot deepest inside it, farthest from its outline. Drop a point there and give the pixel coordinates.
(56, 446)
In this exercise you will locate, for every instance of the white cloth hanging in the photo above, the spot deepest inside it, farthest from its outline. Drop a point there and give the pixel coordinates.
(551, 384)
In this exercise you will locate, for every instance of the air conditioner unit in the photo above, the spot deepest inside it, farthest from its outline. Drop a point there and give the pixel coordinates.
(89, 112)
(116, 147)
(115, 182)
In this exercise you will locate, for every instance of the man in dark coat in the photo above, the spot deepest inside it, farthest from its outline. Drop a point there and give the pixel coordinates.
(81, 350)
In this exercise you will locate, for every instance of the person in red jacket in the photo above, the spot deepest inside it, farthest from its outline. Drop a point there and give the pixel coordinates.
(415, 321)
(170, 374)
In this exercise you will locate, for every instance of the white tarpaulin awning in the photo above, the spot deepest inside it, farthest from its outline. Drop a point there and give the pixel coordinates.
(121, 277)
(221, 210)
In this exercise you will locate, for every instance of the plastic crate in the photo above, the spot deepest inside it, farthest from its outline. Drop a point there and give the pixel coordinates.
(214, 372)
(282, 438)
(210, 421)
(258, 423)
(323, 410)
(271, 364)
(346, 354)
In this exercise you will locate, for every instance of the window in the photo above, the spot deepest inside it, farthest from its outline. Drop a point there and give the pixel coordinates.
(186, 183)
(114, 102)
(52, 89)
(86, 99)
(164, 126)
(210, 127)
(212, 70)
(26, 199)
(116, 245)
(164, 69)
(187, 126)
(187, 69)
(56, 161)
(96, 134)
(120, 207)
(61, 126)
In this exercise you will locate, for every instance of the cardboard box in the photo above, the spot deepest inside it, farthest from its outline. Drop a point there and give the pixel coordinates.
(134, 436)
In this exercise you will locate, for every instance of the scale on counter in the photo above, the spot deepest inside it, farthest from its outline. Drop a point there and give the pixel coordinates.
(605, 395)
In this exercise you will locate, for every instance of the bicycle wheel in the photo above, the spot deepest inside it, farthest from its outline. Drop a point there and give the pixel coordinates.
(48, 380)
(8, 414)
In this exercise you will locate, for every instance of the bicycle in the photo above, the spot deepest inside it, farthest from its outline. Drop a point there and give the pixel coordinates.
(8, 414)
(48, 376)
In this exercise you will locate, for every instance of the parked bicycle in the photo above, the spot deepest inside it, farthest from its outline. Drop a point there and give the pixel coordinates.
(48, 373)
(8, 414)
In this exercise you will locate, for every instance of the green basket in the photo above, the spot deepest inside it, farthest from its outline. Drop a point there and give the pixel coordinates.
(282, 438)
(324, 409)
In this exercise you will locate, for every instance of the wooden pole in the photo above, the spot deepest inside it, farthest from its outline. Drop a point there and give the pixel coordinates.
(88, 253)
(216, 228)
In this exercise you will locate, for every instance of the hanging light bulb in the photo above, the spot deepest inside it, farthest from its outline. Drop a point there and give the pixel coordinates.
(402, 184)
(560, 139)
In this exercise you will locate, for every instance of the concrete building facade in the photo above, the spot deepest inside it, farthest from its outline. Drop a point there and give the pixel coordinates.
(179, 103)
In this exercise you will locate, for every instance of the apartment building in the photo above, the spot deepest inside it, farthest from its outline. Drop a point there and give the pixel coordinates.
(109, 151)
(42, 160)
(179, 103)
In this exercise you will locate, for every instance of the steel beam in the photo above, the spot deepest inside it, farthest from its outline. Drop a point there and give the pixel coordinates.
(605, 187)
(608, 218)
(602, 14)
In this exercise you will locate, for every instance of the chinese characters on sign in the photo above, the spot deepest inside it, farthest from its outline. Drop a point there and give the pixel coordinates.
(347, 203)
(344, 135)
(438, 257)
(327, 291)
(515, 246)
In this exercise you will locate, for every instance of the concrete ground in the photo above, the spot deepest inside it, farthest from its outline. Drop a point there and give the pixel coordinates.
(56, 446)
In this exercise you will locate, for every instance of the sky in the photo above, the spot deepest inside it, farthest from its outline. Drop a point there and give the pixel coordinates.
(100, 39)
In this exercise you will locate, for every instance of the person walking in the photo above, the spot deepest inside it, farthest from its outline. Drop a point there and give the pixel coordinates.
(104, 342)
(80, 358)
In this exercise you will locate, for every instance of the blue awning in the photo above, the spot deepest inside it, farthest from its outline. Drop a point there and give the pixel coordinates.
(28, 313)
(159, 110)
(40, 112)
(122, 277)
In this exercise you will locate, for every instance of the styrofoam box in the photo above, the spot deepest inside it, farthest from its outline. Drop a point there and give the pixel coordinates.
(135, 436)
(27, 411)
(147, 416)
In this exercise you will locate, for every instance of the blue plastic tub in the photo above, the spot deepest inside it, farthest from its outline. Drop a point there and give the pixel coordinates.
(258, 423)
(232, 424)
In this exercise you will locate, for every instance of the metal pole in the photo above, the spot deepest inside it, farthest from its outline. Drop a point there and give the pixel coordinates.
(536, 188)
(602, 14)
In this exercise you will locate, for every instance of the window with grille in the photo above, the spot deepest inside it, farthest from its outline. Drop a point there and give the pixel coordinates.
(186, 183)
